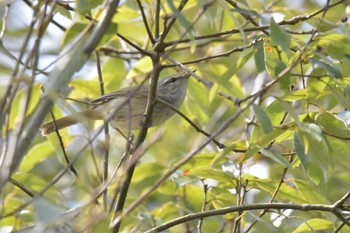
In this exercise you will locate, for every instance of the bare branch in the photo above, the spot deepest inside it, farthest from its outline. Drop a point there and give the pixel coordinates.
(232, 209)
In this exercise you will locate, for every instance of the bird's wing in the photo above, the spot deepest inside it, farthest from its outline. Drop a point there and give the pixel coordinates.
(122, 93)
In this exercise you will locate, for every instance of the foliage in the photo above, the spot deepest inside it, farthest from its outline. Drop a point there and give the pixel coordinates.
(264, 144)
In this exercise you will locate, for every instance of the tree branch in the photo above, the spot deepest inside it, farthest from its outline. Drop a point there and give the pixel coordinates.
(231, 209)
(144, 20)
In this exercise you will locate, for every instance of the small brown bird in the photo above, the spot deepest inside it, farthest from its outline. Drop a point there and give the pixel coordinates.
(125, 108)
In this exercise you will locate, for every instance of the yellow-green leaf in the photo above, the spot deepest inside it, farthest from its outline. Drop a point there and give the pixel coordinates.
(19, 102)
(35, 155)
(315, 225)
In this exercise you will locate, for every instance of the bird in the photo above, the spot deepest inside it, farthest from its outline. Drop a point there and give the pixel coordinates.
(125, 108)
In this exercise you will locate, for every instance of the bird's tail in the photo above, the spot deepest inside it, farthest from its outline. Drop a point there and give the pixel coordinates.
(69, 120)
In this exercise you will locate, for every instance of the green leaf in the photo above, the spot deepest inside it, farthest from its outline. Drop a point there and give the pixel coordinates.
(184, 180)
(207, 173)
(184, 22)
(315, 88)
(195, 200)
(75, 29)
(228, 149)
(213, 92)
(229, 82)
(223, 200)
(315, 224)
(275, 112)
(84, 89)
(19, 101)
(300, 149)
(63, 11)
(262, 117)
(339, 95)
(265, 225)
(200, 160)
(335, 45)
(235, 87)
(296, 95)
(198, 95)
(288, 108)
(279, 36)
(275, 62)
(331, 68)
(259, 58)
(36, 183)
(323, 24)
(234, 67)
(339, 151)
(314, 131)
(126, 13)
(85, 6)
(316, 174)
(142, 66)
(310, 192)
(261, 140)
(168, 210)
(276, 157)
(311, 142)
(285, 193)
(113, 74)
(35, 155)
(146, 171)
(332, 125)
(11, 204)
(345, 67)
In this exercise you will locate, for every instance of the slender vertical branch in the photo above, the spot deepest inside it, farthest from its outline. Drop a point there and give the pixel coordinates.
(157, 20)
(145, 22)
(65, 156)
(239, 194)
(200, 221)
(141, 137)
(106, 130)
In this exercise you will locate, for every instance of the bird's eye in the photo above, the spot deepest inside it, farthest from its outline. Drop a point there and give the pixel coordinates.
(173, 80)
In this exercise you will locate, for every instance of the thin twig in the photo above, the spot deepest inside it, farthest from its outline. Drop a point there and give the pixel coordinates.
(106, 131)
(225, 54)
(205, 191)
(232, 209)
(157, 20)
(142, 51)
(145, 22)
(62, 144)
(246, 16)
(220, 145)
(22, 187)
